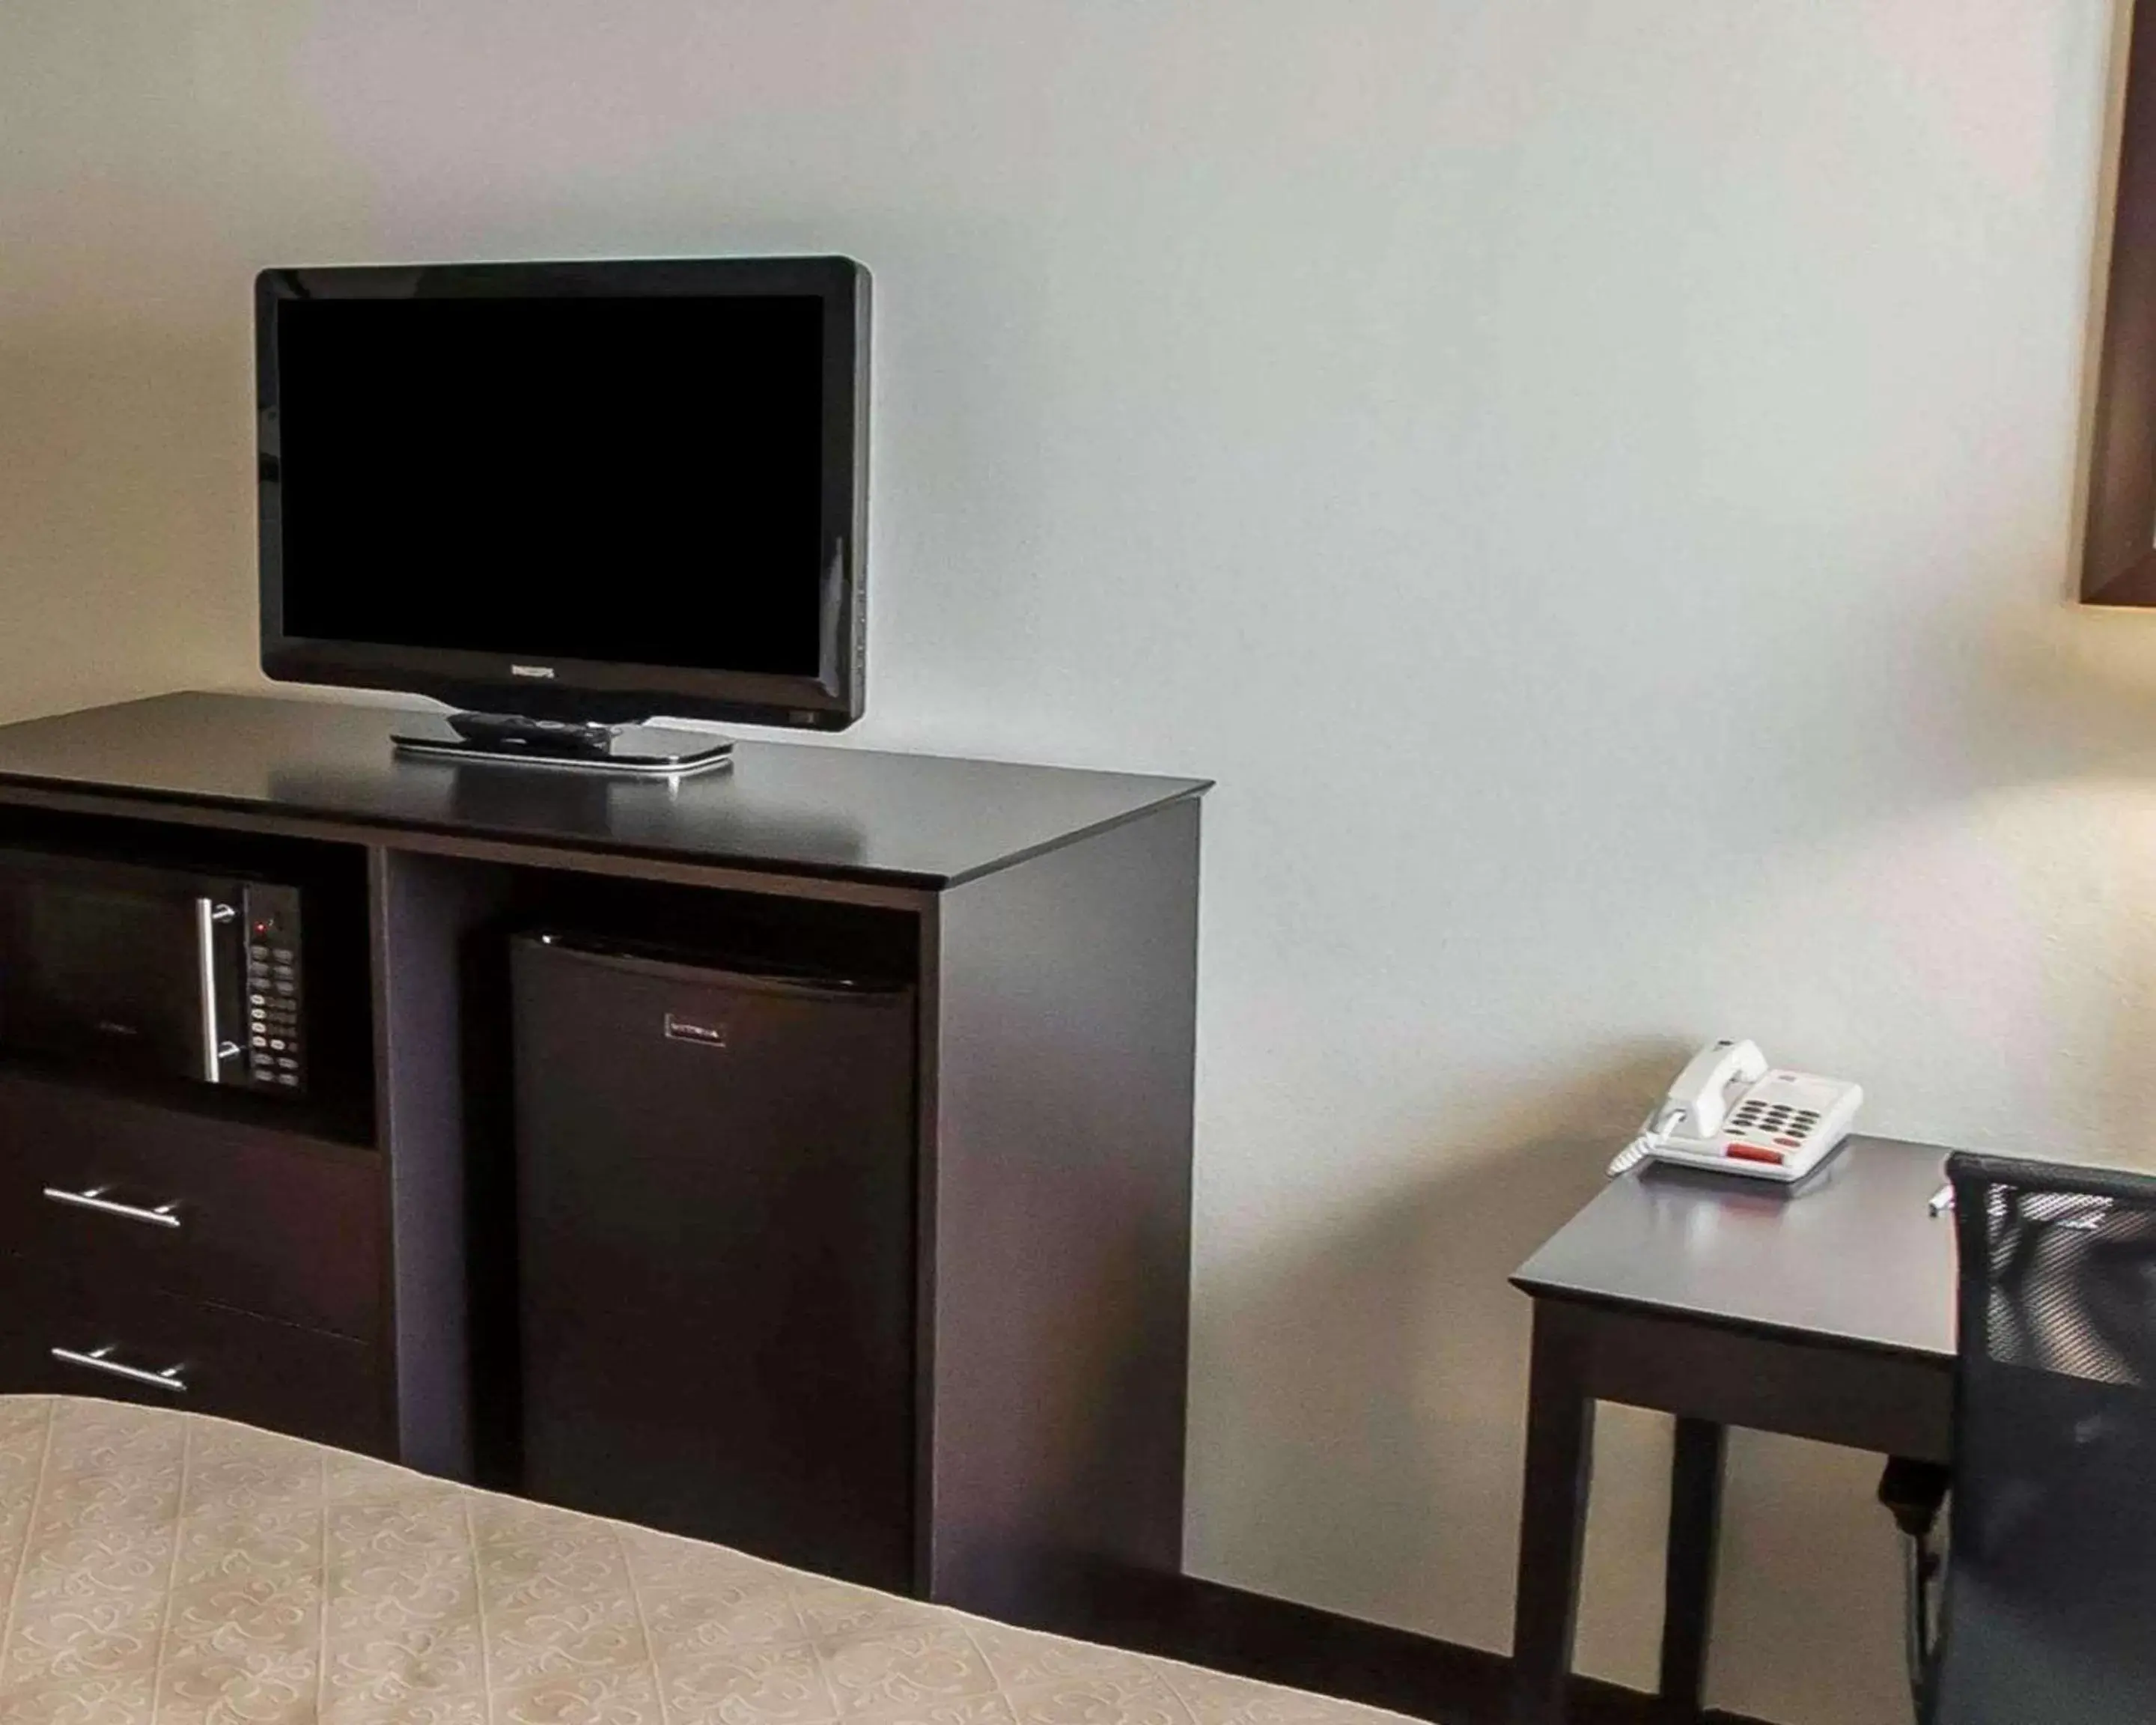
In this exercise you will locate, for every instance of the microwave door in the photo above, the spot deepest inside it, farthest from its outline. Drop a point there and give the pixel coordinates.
(129, 977)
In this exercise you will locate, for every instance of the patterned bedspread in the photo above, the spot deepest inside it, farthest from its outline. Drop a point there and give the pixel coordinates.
(158, 1568)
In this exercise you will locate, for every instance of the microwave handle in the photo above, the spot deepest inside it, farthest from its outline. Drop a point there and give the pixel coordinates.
(215, 1051)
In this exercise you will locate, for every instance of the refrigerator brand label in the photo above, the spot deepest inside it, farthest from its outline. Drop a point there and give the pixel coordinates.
(681, 1029)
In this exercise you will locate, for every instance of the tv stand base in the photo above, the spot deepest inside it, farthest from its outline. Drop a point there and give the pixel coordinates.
(505, 739)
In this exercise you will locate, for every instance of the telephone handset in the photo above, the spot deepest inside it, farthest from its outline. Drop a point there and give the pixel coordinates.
(1730, 1111)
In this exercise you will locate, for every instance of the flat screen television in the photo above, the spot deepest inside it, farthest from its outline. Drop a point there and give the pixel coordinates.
(569, 497)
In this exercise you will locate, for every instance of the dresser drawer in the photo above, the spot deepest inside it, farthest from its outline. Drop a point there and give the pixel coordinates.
(146, 1197)
(208, 1359)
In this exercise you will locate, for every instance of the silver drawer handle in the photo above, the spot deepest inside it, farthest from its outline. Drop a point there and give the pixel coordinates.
(99, 1359)
(165, 1215)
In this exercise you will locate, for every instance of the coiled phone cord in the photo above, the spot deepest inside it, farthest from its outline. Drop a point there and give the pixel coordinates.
(1650, 1140)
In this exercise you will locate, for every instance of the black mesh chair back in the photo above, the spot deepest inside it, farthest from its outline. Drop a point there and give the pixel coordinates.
(2051, 1601)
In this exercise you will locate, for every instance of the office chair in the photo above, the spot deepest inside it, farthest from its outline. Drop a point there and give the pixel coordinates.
(2049, 1614)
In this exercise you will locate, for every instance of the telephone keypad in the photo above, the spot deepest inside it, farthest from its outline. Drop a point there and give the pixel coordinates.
(1777, 1120)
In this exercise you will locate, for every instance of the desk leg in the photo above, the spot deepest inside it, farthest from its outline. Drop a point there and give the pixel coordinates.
(1688, 1578)
(1553, 1515)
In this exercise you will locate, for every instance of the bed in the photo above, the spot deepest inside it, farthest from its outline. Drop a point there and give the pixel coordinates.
(159, 1567)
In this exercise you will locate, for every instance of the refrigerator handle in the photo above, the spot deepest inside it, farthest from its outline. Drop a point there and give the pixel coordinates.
(839, 989)
(719, 971)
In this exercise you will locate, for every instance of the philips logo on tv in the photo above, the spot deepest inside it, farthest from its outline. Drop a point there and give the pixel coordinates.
(531, 670)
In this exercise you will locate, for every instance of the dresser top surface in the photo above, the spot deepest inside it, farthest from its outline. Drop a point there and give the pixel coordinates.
(910, 820)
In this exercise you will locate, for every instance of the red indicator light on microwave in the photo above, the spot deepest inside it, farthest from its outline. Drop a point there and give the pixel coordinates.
(1755, 1153)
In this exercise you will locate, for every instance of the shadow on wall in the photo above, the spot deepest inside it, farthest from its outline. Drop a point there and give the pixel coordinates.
(1394, 1378)
(126, 511)
(1383, 1431)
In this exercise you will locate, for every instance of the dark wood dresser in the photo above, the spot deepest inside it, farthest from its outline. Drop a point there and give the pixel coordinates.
(252, 1259)
(344, 1268)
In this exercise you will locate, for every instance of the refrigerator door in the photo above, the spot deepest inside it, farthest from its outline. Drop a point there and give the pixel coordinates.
(716, 1198)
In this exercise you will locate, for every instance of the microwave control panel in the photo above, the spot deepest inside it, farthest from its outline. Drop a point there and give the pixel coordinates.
(276, 1019)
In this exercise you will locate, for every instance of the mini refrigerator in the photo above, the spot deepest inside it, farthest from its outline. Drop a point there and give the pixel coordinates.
(715, 1173)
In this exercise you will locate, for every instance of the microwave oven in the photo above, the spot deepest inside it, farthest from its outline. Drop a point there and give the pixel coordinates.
(152, 972)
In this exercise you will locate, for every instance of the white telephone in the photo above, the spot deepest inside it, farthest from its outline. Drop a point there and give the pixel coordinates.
(1727, 1110)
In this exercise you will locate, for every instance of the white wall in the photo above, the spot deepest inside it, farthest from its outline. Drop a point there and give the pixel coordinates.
(1591, 479)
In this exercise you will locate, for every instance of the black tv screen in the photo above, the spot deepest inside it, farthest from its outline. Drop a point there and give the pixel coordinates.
(595, 490)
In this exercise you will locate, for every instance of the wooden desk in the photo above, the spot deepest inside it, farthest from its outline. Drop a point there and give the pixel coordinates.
(1822, 1312)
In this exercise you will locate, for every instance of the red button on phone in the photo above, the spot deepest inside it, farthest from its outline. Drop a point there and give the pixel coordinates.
(1755, 1153)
